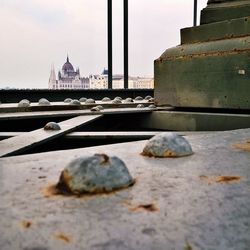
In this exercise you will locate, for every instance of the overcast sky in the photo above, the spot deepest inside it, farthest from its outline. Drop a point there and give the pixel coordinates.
(38, 33)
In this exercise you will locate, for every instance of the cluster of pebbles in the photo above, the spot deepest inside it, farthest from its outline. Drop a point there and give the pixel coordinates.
(101, 174)
(116, 100)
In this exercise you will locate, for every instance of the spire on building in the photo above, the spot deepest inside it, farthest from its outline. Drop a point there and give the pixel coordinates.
(67, 58)
(52, 74)
(52, 77)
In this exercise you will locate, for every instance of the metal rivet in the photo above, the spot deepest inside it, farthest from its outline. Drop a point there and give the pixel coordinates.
(43, 102)
(90, 101)
(75, 102)
(52, 126)
(167, 144)
(67, 100)
(95, 174)
(83, 99)
(24, 103)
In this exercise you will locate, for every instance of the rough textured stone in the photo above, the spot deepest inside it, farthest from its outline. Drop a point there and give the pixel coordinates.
(128, 100)
(167, 144)
(100, 107)
(148, 97)
(151, 100)
(67, 100)
(95, 109)
(75, 102)
(106, 99)
(24, 103)
(138, 98)
(52, 126)
(140, 106)
(152, 106)
(116, 101)
(118, 98)
(83, 99)
(90, 101)
(95, 174)
(43, 102)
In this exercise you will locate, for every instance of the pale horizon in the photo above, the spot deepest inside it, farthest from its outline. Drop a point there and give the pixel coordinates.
(39, 33)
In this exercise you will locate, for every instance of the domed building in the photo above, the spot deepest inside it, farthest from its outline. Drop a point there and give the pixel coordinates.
(68, 78)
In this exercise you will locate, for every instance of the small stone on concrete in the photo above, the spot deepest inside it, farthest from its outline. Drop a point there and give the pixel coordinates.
(138, 98)
(140, 106)
(24, 103)
(75, 102)
(95, 109)
(94, 174)
(148, 97)
(83, 99)
(100, 107)
(52, 126)
(152, 106)
(167, 144)
(106, 99)
(128, 100)
(43, 102)
(116, 101)
(90, 101)
(67, 100)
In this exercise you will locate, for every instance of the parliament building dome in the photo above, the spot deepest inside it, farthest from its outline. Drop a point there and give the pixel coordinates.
(67, 66)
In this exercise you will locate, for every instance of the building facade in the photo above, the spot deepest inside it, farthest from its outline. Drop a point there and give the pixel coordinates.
(68, 78)
(99, 81)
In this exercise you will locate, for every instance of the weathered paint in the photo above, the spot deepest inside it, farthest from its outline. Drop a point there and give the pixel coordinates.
(205, 75)
(195, 121)
(216, 31)
(224, 10)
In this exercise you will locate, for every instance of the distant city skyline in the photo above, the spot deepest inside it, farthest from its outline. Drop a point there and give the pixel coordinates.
(38, 33)
(69, 77)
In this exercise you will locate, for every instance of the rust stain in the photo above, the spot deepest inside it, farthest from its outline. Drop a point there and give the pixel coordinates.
(205, 54)
(52, 190)
(143, 153)
(42, 177)
(187, 247)
(105, 158)
(225, 179)
(63, 184)
(26, 224)
(63, 237)
(245, 146)
(149, 207)
(222, 179)
(169, 153)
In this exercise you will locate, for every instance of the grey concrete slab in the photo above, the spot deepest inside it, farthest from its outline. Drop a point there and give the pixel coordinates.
(196, 202)
(28, 140)
(6, 135)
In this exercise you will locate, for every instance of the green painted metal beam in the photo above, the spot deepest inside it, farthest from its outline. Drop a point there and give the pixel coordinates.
(195, 121)
(217, 11)
(216, 31)
(210, 75)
